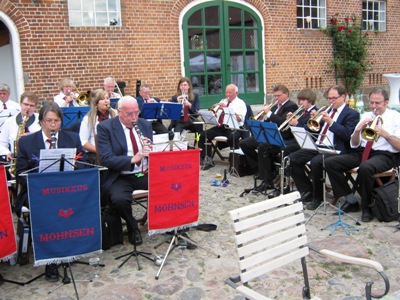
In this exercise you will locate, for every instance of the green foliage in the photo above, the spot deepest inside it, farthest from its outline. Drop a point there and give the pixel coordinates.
(349, 50)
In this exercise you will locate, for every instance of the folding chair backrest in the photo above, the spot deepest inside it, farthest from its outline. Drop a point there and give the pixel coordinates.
(269, 234)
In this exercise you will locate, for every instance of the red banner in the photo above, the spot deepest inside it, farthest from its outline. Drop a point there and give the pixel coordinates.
(8, 244)
(173, 190)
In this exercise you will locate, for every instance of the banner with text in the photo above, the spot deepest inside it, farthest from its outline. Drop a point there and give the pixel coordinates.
(65, 215)
(173, 190)
(8, 244)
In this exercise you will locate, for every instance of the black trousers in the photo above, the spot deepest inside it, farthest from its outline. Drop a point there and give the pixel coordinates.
(120, 196)
(336, 166)
(304, 183)
(232, 135)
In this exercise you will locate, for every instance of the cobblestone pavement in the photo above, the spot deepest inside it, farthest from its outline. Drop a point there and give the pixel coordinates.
(202, 275)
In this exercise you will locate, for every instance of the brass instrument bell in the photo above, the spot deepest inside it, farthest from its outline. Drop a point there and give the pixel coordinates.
(369, 133)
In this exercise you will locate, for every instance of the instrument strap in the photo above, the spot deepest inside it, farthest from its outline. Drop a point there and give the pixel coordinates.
(30, 121)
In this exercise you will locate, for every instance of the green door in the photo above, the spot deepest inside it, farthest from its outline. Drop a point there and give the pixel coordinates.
(222, 45)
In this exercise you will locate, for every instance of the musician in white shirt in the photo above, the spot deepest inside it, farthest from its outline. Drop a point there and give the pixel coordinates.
(8, 108)
(66, 97)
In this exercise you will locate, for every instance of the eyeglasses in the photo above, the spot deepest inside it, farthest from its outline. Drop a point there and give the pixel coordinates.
(132, 113)
(334, 98)
(49, 121)
(28, 104)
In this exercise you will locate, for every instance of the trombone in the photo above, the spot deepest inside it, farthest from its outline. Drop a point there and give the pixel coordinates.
(313, 124)
(262, 113)
(285, 125)
(369, 133)
(83, 98)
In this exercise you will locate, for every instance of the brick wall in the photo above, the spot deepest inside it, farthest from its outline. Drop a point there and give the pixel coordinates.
(147, 46)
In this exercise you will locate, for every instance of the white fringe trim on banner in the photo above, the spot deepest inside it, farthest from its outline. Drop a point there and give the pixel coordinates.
(66, 259)
(161, 231)
(8, 257)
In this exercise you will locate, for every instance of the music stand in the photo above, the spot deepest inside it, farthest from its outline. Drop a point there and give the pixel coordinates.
(230, 122)
(161, 110)
(114, 102)
(306, 140)
(72, 115)
(268, 133)
(208, 118)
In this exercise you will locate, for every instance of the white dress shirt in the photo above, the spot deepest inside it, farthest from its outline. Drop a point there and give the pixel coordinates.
(59, 99)
(13, 108)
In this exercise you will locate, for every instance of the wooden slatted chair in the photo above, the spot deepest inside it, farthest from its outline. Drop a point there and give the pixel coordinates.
(271, 234)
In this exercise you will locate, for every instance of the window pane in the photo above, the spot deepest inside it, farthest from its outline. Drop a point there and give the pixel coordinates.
(198, 85)
(251, 39)
(213, 38)
(87, 5)
(251, 61)
(238, 79)
(94, 13)
(74, 5)
(196, 62)
(215, 84)
(101, 5)
(75, 19)
(235, 38)
(235, 16)
(101, 19)
(252, 83)
(195, 18)
(213, 62)
(249, 20)
(112, 5)
(196, 40)
(211, 16)
(88, 19)
(236, 62)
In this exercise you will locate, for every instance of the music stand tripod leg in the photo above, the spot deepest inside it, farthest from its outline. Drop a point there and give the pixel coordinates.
(136, 254)
(2, 280)
(170, 248)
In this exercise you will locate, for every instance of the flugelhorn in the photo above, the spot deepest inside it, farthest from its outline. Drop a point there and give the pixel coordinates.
(313, 124)
(369, 133)
(262, 113)
(217, 106)
(285, 125)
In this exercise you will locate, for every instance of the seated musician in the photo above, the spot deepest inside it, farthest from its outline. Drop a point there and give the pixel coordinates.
(100, 110)
(123, 146)
(66, 98)
(191, 105)
(50, 116)
(145, 97)
(8, 107)
(260, 156)
(109, 87)
(380, 158)
(27, 121)
(339, 122)
(239, 108)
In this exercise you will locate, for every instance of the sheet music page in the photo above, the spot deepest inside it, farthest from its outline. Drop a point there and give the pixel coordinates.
(208, 116)
(49, 156)
(230, 118)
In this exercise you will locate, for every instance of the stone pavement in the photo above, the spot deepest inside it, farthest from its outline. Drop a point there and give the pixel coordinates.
(202, 275)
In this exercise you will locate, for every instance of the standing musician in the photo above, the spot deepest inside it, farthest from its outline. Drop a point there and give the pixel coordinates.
(260, 156)
(29, 146)
(109, 87)
(190, 106)
(8, 107)
(100, 110)
(26, 118)
(145, 97)
(239, 107)
(381, 157)
(123, 146)
(66, 97)
(338, 124)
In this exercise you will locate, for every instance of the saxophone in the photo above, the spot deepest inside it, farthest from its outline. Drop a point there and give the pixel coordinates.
(21, 131)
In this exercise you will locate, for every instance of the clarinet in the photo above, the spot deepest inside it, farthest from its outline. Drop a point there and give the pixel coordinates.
(53, 140)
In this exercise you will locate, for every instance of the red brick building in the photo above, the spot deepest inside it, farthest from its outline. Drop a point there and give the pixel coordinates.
(255, 44)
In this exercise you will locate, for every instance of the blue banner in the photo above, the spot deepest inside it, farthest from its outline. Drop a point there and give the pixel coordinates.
(65, 215)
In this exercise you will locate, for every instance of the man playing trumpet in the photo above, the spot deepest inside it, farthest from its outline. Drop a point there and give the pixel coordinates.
(371, 157)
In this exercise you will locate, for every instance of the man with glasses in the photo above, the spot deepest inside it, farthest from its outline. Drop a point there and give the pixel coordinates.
(124, 145)
(109, 87)
(338, 122)
(8, 107)
(371, 157)
(260, 156)
(10, 129)
(29, 146)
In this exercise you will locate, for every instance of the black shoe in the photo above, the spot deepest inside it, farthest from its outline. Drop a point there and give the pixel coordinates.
(313, 205)
(264, 186)
(274, 193)
(135, 238)
(201, 161)
(207, 166)
(189, 245)
(367, 215)
(51, 273)
(350, 207)
(306, 197)
(259, 177)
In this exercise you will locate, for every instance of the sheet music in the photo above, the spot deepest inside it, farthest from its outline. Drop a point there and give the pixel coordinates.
(208, 117)
(230, 119)
(161, 142)
(305, 141)
(49, 156)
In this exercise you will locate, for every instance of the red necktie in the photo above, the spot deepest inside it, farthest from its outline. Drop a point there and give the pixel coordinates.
(51, 145)
(322, 136)
(185, 113)
(305, 113)
(367, 150)
(134, 144)
(5, 106)
(26, 129)
(279, 107)
(222, 115)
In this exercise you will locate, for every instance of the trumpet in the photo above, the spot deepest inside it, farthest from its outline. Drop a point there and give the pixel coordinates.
(262, 113)
(369, 132)
(313, 124)
(217, 106)
(285, 125)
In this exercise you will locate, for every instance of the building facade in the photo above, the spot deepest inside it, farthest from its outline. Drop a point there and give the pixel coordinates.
(254, 44)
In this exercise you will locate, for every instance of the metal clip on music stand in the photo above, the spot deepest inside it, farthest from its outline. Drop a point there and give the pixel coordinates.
(209, 119)
(268, 133)
(230, 122)
(306, 140)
